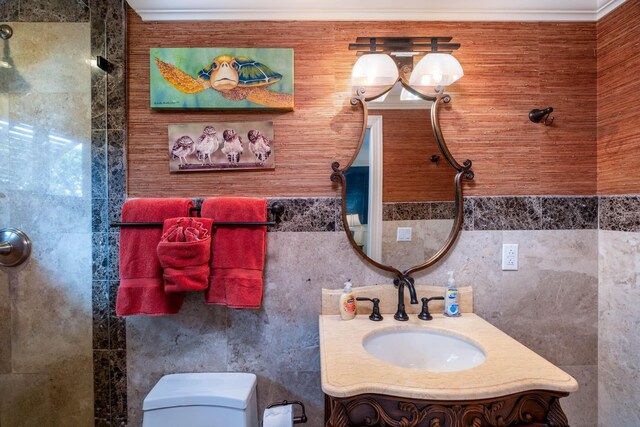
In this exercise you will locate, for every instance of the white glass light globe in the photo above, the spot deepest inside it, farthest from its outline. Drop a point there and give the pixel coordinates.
(436, 69)
(374, 70)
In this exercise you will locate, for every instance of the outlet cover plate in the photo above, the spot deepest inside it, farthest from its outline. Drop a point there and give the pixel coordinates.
(510, 256)
(404, 234)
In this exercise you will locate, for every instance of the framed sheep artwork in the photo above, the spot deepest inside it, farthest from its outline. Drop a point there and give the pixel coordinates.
(221, 78)
(221, 146)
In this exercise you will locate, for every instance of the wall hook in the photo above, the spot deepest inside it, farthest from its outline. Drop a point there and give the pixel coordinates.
(536, 116)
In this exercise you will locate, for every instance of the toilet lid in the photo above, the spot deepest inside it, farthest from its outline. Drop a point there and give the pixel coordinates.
(226, 389)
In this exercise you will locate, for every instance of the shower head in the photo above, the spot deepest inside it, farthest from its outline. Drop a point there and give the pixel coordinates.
(5, 32)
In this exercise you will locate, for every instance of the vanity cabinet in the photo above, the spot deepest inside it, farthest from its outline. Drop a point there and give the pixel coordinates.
(511, 386)
(532, 408)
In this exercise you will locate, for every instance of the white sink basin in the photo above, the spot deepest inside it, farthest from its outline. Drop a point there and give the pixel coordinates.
(424, 350)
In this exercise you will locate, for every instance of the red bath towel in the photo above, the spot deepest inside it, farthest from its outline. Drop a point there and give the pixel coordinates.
(184, 251)
(237, 256)
(141, 289)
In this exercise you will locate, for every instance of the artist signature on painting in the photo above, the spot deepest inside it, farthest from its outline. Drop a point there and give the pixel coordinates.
(166, 102)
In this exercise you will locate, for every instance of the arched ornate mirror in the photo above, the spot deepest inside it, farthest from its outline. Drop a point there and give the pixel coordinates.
(402, 204)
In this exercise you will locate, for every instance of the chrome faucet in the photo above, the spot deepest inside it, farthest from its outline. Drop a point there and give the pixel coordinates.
(401, 314)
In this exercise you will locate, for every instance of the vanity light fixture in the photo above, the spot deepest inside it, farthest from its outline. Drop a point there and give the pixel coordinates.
(437, 69)
(377, 69)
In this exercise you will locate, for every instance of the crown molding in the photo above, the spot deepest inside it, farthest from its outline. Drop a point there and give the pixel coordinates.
(608, 7)
(196, 10)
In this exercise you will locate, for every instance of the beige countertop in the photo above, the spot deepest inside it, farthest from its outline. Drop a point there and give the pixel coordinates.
(510, 367)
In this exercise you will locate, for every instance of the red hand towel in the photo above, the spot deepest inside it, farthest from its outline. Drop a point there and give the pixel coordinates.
(184, 251)
(141, 289)
(237, 257)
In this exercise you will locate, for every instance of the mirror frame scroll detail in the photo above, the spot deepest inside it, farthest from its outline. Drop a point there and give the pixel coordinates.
(463, 171)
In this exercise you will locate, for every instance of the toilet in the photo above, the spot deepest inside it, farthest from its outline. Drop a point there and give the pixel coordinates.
(222, 399)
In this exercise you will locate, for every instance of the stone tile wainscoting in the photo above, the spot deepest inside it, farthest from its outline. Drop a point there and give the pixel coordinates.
(619, 311)
(550, 304)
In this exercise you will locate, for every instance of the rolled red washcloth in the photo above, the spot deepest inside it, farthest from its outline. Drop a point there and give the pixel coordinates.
(238, 253)
(141, 289)
(184, 251)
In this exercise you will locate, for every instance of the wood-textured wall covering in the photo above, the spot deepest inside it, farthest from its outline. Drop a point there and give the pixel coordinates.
(510, 68)
(408, 174)
(618, 105)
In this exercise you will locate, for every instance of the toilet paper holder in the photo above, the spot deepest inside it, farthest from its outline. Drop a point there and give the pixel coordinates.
(302, 419)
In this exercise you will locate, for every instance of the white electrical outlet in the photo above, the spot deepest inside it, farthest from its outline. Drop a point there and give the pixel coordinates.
(404, 234)
(510, 256)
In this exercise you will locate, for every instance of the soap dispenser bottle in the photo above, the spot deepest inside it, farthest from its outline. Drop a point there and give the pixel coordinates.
(347, 303)
(451, 303)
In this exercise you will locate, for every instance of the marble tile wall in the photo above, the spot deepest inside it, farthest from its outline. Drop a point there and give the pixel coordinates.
(619, 315)
(45, 314)
(279, 342)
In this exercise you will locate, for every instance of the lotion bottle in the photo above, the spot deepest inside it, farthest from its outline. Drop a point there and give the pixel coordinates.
(347, 303)
(451, 303)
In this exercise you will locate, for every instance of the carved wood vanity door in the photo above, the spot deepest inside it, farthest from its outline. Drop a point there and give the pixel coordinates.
(528, 409)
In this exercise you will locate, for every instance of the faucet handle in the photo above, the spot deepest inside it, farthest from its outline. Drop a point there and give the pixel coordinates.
(424, 314)
(375, 314)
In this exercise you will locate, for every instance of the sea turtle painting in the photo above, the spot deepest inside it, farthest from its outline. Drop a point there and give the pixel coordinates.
(236, 78)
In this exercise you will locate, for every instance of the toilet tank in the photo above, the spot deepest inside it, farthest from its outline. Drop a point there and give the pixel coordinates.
(222, 399)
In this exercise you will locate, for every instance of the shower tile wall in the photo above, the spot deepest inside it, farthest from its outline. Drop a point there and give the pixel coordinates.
(45, 190)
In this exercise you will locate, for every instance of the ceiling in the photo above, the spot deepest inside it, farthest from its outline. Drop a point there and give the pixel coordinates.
(377, 10)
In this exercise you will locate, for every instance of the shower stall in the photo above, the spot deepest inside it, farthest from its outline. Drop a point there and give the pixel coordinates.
(46, 362)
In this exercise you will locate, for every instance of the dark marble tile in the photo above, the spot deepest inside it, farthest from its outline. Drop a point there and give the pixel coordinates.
(99, 213)
(101, 384)
(467, 219)
(9, 10)
(98, 28)
(388, 211)
(118, 395)
(486, 213)
(98, 98)
(117, 333)
(569, 213)
(114, 256)
(619, 213)
(114, 208)
(115, 30)
(116, 162)
(443, 210)
(411, 211)
(54, 11)
(309, 214)
(100, 253)
(113, 293)
(98, 164)
(116, 97)
(338, 215)
(507, 213)
(101, 422)
(100, 309)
